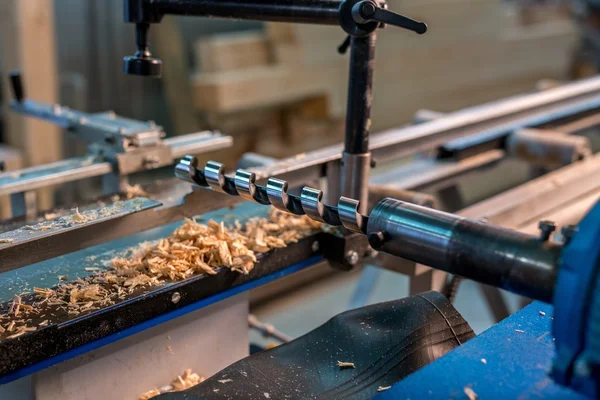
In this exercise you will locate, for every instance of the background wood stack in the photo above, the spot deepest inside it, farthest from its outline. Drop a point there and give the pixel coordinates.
(286, 87)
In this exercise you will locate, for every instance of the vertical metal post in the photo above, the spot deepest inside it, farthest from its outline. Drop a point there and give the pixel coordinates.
(356, 159)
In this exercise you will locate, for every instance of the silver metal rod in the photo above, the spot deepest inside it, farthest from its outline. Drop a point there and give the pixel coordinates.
(501, 116)
(56, 173)
(199, 142)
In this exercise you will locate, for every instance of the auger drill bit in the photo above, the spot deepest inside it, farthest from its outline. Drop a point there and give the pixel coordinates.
(514, 261)
(275, 193)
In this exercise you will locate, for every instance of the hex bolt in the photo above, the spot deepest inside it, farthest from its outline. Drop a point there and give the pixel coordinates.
(352, 257)
(546, 229)
(567, 232)
(581, 368)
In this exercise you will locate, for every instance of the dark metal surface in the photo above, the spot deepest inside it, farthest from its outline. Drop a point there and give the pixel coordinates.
(488, 254)
(360, 94)
(32, 244)
(143, 305)
(63, 241)
(303, 11)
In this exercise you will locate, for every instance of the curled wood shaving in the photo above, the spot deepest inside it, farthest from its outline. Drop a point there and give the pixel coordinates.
(343, 364)
(43, 292)
(78, 218)
(383, 388)
(470, 393)
(132, 191)
(182, 382)
(149, 394)
(6, 241)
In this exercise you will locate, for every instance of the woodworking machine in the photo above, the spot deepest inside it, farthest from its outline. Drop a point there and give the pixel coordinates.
(386, 218)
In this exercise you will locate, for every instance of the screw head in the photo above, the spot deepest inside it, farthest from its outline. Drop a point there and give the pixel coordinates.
(368, 9)
(546, 229)
(567, 232)
(352, 257)
(315, 246)
(175, 298)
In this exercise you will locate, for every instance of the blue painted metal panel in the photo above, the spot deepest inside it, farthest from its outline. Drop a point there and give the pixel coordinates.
(518, 353)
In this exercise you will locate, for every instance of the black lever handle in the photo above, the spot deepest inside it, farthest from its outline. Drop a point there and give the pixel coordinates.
(16, 85)
(367, 11)
(343, 48)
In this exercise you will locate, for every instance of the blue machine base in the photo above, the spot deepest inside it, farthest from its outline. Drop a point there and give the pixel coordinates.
(518, 353)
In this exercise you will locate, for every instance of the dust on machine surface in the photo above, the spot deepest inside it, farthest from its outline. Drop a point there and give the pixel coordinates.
(106, 299)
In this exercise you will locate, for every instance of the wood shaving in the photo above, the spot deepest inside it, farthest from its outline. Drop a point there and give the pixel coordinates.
(134, 191)
(383, 388)
(181, 382)
(519, 331)
(483, 361)
(470, 393)
(2, 330)
(43, 292)
(49, 216)
(15, 307)
(149, 394)
(6, 241)
(10, 326)
(78, 218)
(16, 335)
(543, 314)
(343, 364)
(225, 380)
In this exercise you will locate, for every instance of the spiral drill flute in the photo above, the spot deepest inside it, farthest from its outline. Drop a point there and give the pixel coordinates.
(275, 193)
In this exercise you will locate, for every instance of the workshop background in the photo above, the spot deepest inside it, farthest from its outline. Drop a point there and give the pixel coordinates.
(278, 89)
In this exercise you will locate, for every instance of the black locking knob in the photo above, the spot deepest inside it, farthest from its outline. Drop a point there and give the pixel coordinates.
(142, 63)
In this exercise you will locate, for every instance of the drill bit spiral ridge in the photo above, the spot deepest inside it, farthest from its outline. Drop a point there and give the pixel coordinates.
(275, 193)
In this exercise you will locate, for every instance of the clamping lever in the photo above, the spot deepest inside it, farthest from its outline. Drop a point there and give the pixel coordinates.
(368, 11)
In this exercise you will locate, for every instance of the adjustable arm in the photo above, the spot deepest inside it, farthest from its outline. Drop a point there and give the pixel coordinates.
(145, 12)
(357, 18)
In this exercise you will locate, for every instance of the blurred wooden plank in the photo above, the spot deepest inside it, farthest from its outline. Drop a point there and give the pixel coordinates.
(28, 43)
(175, 75)
(258, 87)
(233, 51)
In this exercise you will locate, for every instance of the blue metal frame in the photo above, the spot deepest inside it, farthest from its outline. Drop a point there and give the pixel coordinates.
(518, 354)
(158, 320)
(577, 302)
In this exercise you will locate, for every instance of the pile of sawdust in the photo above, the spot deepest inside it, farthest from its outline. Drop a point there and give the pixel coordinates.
(192, 249)
(182, 382)
(196, 247)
